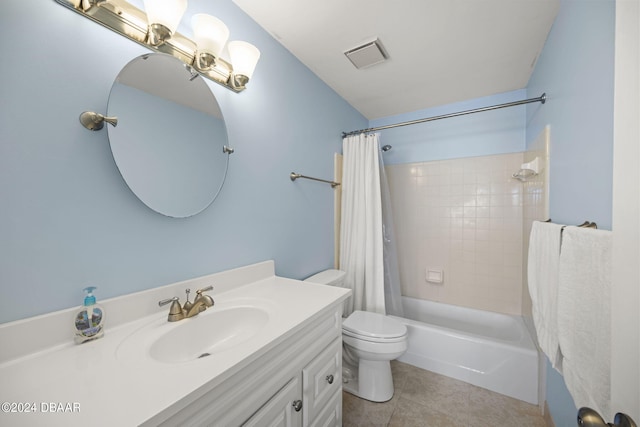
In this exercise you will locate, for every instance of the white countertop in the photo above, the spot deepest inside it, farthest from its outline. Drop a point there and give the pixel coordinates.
(103, 383)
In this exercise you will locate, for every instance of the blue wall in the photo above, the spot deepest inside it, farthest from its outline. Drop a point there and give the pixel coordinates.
(69, 220)
(575, 69)
(481, 134)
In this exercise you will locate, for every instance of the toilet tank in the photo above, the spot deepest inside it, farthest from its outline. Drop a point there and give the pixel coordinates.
(328, 277)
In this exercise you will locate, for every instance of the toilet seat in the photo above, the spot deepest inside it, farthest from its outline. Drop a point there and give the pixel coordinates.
(373, 327)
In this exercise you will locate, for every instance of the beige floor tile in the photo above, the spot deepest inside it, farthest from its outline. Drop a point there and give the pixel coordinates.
(358, 412)
(489, 408)
(426, 399)
(411, 414)
(436, 392)
(400, 371)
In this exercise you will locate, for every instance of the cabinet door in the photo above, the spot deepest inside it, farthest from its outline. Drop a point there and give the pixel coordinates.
(321, 379)
(331, 415)
(280, 410)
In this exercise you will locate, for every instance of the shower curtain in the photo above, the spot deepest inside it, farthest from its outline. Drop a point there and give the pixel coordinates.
(367, 240)
(361, 238)
(392, 294)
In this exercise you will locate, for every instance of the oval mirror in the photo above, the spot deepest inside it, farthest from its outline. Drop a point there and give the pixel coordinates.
(169, 144)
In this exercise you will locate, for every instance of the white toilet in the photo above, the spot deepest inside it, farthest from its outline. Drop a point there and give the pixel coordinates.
(369, 342)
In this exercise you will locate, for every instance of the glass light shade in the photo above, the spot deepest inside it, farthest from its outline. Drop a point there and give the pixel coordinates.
(244, 57)
(165, 12)
(210, 33)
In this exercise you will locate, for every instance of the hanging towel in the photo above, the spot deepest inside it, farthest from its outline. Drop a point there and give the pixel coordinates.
(584, 316)
(542, 279)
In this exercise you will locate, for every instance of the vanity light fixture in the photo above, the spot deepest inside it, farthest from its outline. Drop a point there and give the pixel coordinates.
(156, 29)
(210, 35)
(245, 57)
(163, 18)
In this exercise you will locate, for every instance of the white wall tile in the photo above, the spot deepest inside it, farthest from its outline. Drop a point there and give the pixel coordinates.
(465, 216)
(535, 200)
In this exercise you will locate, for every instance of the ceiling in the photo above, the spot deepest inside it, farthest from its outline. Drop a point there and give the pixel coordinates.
(440, 51)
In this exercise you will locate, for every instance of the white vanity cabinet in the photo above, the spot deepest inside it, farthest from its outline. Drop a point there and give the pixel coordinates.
(312, 398)
(322, 383)
(273, 345)
(282, 410)
(296, 383)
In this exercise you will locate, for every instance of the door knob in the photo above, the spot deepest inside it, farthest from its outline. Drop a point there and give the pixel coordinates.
(587, 417)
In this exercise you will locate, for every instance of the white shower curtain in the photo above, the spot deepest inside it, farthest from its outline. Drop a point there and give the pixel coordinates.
(361, 240)
(392, 293)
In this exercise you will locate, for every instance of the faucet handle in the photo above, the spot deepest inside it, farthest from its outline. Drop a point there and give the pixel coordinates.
(206, 299)
(175, 311)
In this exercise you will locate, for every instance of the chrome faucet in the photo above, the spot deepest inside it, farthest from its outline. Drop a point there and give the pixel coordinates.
(190, 309)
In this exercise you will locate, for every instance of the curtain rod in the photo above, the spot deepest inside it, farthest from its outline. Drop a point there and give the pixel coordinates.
(542, 98)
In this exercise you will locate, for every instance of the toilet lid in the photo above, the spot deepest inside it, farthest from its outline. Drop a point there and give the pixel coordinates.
(373, 325)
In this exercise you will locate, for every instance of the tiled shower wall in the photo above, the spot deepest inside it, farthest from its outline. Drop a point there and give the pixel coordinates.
(536, 205)
(464, 217)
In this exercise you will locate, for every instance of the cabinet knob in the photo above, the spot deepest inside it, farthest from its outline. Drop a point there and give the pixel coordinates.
(297, 405)
(329, 379)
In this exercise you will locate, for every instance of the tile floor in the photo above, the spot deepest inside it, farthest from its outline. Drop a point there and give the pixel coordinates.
(426, 399)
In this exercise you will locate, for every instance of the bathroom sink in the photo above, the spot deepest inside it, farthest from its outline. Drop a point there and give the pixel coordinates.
(208, 333)
(213, 331)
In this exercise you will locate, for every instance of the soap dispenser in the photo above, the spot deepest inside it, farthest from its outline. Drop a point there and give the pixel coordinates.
(89, 320)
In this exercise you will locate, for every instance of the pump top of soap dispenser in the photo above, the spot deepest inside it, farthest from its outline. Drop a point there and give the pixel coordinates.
(89, 299)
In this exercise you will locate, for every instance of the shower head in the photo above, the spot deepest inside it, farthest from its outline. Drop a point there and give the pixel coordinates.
(386, 148)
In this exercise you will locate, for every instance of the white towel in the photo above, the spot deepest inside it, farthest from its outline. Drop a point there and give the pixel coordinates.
(542, 279)
(584, 316)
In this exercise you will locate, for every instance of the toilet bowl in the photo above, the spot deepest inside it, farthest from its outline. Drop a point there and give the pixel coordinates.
(370, 341)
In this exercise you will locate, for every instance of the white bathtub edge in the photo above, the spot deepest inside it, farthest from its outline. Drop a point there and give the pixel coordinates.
(520, 360)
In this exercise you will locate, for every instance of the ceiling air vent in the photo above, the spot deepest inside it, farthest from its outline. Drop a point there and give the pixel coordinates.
(368, 54)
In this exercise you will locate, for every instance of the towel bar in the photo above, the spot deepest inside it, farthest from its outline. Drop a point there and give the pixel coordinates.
(295, 176)
(586, 224)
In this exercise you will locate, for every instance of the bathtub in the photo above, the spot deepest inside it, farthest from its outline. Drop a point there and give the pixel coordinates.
(489, 350)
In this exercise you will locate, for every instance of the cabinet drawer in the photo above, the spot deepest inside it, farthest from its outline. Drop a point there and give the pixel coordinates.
(321, 378)
(279, 410)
